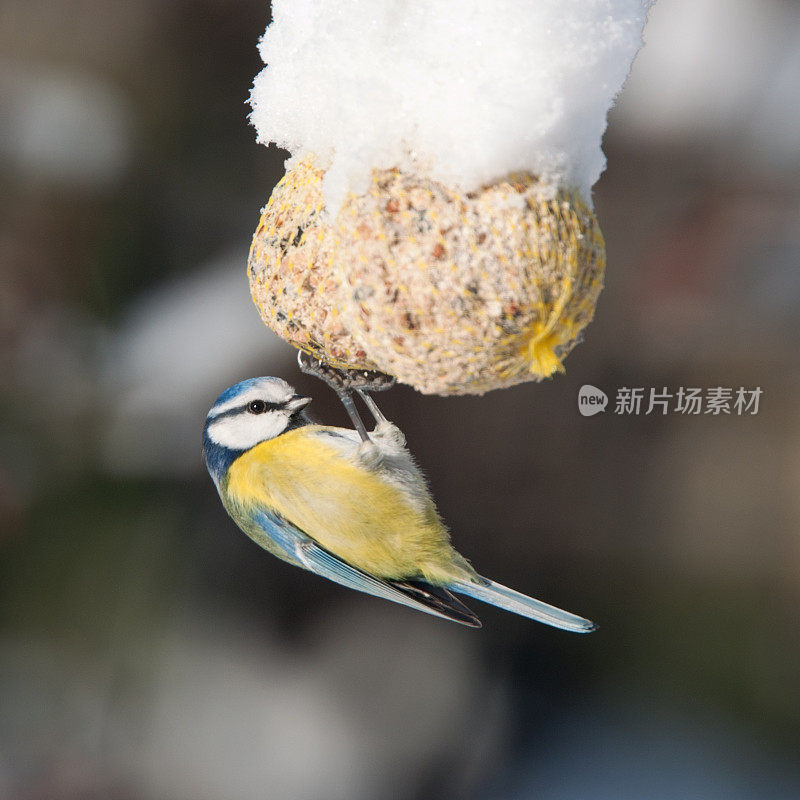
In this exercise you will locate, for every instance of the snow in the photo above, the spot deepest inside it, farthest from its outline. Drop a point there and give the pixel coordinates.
(465, 92)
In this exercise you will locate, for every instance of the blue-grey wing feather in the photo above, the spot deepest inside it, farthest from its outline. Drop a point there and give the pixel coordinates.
(303, 550)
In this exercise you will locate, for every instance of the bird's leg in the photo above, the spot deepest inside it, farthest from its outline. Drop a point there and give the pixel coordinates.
(338, 380)
(366, 381)
(387, 433)
(352, 412)
(377, 414)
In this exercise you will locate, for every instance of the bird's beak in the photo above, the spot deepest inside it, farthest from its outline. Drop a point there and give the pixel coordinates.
(296, 403)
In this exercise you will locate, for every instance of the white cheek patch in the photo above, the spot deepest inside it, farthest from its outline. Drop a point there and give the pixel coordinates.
(243, 431)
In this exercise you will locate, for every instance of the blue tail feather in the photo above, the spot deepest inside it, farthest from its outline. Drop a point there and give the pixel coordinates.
(518, 603)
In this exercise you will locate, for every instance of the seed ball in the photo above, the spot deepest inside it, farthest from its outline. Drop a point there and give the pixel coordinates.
(450, 294)
(293, 282)
(460, 295)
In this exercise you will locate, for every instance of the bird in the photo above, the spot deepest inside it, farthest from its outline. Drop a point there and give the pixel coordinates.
(350, 505)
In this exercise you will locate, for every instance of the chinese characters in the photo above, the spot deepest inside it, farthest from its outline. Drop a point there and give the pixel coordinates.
(715, 400)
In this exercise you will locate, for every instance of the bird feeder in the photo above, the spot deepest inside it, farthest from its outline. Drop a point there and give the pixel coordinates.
(450, 293)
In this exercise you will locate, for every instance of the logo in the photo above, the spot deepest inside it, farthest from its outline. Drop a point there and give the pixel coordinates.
(591, 400)
(718, 401)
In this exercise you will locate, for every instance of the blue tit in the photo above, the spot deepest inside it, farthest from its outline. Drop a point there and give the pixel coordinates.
(345, 504)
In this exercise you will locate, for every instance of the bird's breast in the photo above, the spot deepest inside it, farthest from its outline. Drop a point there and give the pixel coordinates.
(353, 512)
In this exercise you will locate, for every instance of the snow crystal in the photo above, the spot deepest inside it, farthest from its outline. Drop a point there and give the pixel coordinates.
(464, 91)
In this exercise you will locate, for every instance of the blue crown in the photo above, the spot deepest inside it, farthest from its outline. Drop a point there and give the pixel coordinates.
(239, 388)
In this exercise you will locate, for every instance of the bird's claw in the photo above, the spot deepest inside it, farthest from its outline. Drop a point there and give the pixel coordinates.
(348, 380)
(345, 382)
(370, 380)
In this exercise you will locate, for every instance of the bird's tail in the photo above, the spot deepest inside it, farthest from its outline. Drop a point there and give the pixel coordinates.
(503, 597)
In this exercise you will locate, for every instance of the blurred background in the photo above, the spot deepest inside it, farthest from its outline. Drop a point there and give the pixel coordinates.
(149, 650)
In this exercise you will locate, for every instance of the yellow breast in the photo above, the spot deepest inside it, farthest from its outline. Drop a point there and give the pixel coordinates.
(353, 512)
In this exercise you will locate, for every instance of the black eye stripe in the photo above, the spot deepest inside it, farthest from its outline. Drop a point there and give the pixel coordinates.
(232, 412)
(262, 406)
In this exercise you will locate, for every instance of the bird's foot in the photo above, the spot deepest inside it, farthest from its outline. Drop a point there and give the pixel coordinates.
(345, 383)
(348, 380)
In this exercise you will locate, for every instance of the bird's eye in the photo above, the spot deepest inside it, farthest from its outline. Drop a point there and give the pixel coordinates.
(256, 406)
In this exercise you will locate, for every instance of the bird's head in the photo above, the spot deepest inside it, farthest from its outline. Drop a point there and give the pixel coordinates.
(251, 412)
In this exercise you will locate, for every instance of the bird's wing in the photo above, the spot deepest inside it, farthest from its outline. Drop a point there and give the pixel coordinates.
(438, 598)
(316, 559)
